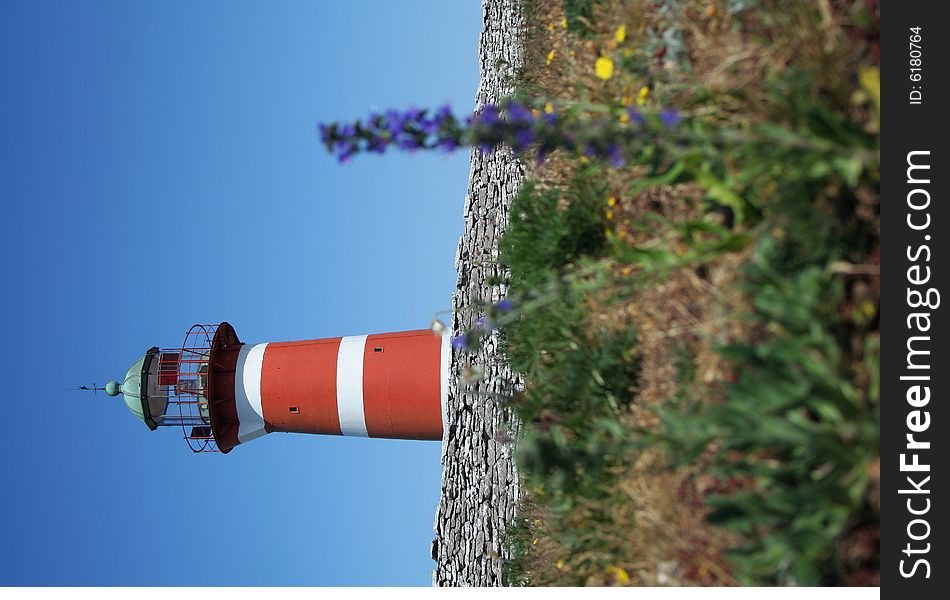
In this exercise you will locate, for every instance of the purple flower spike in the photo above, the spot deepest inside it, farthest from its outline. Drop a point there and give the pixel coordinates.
(480, 322)
(504, 305)
(669, 117)
(459, 341)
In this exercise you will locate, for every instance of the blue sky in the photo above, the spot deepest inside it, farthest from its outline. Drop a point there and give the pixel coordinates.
(141, 139)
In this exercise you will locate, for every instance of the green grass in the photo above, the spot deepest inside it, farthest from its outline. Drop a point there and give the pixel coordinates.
(787, 180)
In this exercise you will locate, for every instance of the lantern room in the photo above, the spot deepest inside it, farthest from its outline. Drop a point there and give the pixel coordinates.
(167, 388)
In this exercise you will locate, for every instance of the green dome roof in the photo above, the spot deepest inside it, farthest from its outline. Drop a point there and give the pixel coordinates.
(133, 388)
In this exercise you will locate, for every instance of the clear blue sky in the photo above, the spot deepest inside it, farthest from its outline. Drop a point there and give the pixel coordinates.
(139, 138)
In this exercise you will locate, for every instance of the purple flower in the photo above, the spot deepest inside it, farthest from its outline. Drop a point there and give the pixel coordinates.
(459, 341)
(326, 133)
(669, 117)
(393, 121)
(430, 126)
(407, 142)
(504, 305)
(635, 116)
(344, 149)
(523, 139)
(616, 155)
(480, 322)
(412, 114)
(448, 143)
(519, 114)
(550, 118)
(376, 144)
(444, 114)
(487, 115)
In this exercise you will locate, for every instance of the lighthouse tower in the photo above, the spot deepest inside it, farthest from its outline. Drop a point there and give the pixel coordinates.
(221, 392)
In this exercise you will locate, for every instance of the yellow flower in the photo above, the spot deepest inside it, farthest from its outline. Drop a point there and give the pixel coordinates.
(572, 53)
(550, 56)
(548, 108)
(563, 23)
(611, 201)
(560, 563)
(642, 95)
(550, 26)
(621, 34)
(604, 67)
(870, 80)
(622, 577)
(610, 215)
(584, 160)
(624, 117)
(626, 271)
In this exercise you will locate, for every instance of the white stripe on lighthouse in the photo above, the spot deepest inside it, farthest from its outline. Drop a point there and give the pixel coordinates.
(349, 385)
(445, 358)
(247, 392)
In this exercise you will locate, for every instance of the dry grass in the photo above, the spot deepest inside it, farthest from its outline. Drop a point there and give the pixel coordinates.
(652, 529)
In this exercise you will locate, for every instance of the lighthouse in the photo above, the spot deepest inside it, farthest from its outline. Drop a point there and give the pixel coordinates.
(221, 392)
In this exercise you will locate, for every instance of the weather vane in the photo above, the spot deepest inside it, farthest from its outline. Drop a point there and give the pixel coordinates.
(94, 389)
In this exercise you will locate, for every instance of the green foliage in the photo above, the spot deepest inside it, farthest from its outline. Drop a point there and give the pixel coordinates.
(517, 539)
(792, 440)
(580, 15)
(794, 429)
(577, 379)
(551, 228)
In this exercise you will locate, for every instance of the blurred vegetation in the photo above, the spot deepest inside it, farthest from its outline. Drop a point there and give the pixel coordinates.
(698, 329)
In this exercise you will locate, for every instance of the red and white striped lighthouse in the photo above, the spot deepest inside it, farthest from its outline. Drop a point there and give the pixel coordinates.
(222, 392)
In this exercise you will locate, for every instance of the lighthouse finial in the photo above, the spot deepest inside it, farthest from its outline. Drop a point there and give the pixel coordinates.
(110, 388)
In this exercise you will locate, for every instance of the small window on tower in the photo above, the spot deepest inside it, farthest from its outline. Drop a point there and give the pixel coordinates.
(378, 349)
(294, 410)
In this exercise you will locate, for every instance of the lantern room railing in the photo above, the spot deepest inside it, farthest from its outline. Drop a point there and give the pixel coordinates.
(181, 378)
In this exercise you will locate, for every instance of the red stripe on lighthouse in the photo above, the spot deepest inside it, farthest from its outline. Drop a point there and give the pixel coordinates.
(298, 386)
(402, 385)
